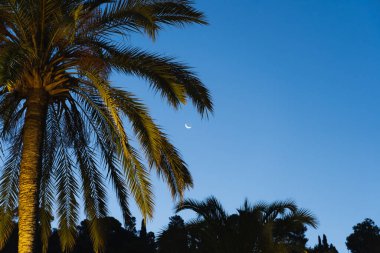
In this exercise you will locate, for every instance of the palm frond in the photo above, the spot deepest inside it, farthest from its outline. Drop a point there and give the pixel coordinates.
(173, 80)
(209, 209)
(301, 217)
(6, 226)
(9, 190)
(144, 16)
(95, 118)
(12, 113)
(136, 173)
(68, 207)
(92, 181)
(47, 187)
(158, 150)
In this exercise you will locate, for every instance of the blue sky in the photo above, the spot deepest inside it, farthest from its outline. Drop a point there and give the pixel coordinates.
(297, 109)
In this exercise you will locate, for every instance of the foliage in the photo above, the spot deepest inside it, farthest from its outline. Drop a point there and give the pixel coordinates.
(175, 238)
(118, 240)
(183, 237)
(365, 238)
(255, 228)
(67, 49)
(323, 246)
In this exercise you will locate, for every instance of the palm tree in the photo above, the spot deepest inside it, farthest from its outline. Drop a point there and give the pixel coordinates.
(62, 122)
(211, 225)
(280, 222)
(255, 228)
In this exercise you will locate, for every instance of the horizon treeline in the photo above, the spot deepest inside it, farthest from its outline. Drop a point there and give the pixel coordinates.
(262, 227)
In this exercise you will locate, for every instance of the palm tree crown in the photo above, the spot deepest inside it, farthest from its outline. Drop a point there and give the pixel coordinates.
(261, 227)
(56, 57)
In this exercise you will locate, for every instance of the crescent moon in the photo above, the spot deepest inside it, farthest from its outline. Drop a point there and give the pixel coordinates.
(187, 126)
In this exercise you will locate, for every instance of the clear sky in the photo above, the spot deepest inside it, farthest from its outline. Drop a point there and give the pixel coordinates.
(296, 86)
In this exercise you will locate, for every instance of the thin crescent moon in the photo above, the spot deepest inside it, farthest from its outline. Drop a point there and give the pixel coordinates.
(187, 126)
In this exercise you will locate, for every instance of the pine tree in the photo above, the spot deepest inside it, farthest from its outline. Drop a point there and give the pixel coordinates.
(143, 232)
(323, 246)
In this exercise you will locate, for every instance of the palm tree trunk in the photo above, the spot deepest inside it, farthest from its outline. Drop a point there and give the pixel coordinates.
(34, 125)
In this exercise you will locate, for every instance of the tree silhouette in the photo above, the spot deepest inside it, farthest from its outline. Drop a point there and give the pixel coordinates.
(323, 246)
(256, 228)
(264, 228)
(61, 120)
(130, 224)
(365, 238)
(282, 224)
(147, 240)
(175, 238)
(119, 239)
(143, 233)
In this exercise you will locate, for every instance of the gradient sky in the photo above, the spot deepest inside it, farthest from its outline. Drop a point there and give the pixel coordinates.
(297, 108)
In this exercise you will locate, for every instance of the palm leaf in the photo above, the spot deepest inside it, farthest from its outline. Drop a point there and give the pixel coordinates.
(9, 190)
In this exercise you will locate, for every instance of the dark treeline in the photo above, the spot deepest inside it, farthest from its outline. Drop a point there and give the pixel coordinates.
(119, 239)
(278, 227)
